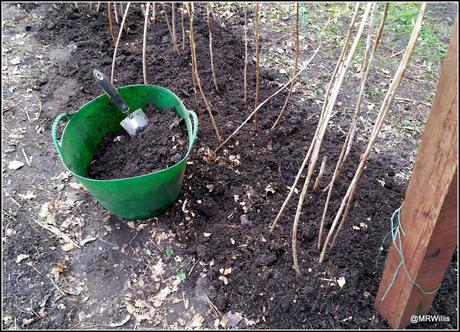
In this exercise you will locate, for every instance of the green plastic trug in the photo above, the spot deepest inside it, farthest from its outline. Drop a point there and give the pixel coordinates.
(138, 197)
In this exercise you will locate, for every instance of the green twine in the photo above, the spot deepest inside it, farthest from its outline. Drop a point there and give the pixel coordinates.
(395, 232)
(303, 19)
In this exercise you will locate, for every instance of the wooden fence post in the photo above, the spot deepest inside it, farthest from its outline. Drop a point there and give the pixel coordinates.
(429, 213)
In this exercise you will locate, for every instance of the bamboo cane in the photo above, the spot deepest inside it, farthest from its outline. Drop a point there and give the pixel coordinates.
(169, 25)
(305, 66)
(320, 174)
(245, 73)
(153, 12)
(374, 47)
(197, 77)
(126, 24)
(325, 103)
(115, 12)
(318, 140)
(109, 14)
(256, 41)
(195, 90)
(367, 60)
(183, 27)
(340, 60)
(208, 12)
(297, 56)
(173, 26)
(350, 136)
(144, 46)
(118, 40)
(347, 199)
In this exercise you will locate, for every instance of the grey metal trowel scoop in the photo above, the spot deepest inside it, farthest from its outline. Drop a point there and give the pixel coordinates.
(134, 121)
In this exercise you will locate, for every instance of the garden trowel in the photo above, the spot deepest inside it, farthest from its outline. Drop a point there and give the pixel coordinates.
(134, 121)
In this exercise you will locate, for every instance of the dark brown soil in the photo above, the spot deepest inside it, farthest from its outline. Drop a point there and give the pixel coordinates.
(161, 144)
(228, 193)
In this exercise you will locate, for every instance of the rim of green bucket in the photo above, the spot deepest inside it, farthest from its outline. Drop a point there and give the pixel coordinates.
(137, 176)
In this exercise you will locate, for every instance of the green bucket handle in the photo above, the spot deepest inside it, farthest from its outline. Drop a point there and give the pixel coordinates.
(195, 127)
(54, 130)
(69, 116)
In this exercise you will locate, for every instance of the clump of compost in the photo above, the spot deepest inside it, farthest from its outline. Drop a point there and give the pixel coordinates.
(161, 144)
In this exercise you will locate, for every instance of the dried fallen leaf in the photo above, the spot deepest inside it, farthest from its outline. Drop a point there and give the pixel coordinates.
(235, 159)
(75, 185)
(183, 207)
(269, 189)
(121, 323)
(197, 320)
(46, 214)
(68, 246)
(161, 296)
(141, 227)
(160, 237)
(21, 257)
(42, 312)
(15, 164)
(250, 322)
(139, 303)
(61, 176)
(87, 240)
(67, 223)
(131, 309)
(27, 321)
(59, 267)
(224, 279)
(157, 270)
(224, 322)
(28, 195)
(15, 61)
(226, 271)
(234, 319)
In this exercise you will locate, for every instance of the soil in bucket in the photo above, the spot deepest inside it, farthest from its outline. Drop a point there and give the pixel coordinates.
(163, 143)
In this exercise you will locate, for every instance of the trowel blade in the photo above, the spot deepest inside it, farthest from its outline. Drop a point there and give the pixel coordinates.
(135, 122)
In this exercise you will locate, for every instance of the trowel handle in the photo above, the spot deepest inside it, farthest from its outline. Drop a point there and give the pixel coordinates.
(111, 90)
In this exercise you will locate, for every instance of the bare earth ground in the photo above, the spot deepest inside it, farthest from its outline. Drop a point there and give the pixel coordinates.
(131, 274)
